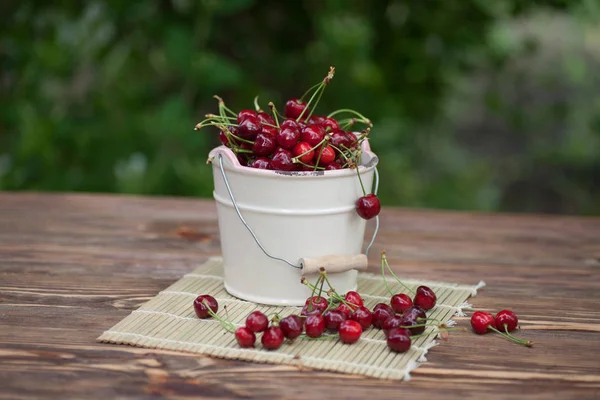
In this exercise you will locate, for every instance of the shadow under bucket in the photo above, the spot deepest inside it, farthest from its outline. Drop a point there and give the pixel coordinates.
(277, 226)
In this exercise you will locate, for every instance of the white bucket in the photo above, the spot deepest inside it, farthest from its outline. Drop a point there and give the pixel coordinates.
(293, 215)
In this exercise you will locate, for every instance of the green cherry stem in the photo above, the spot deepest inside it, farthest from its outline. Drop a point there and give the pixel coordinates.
(256, 106)
(507, 335)
(223, 106)
(347, 110)
(229, 327)
(274, 112)
(319, 91)
(360, 180)
(313, 87)
(384, 258)
(385, 280)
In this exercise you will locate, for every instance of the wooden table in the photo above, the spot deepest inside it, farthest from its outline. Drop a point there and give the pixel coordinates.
(71, 266)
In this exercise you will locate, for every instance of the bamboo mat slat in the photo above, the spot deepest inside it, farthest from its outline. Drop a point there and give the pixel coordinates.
(168, 322)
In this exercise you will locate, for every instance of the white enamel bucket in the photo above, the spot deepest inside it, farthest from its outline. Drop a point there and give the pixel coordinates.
(271, 221)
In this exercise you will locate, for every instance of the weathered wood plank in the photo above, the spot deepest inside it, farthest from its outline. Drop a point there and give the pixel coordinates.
(71, 266)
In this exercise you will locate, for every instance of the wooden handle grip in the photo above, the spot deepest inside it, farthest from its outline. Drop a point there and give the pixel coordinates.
(333, 263)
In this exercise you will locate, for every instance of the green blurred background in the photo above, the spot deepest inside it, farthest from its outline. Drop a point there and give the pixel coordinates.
(477, 104)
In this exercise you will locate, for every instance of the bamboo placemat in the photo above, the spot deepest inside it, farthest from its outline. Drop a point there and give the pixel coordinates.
(168, 321)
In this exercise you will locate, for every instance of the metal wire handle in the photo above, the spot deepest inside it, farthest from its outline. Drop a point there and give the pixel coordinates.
(239, 214)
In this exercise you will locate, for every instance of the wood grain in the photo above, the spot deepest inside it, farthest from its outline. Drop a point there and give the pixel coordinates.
(71, 266)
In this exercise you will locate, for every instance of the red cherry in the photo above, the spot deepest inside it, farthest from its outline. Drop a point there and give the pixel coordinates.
(316, 119)
(265, 118)
(339, 139)
(352, 140)
(294, 107)
(242, 115)
(249, 127)
(414, 324)
(481, 321)
(290, 124)
(282, 160)
(363, 316)
(272, 338)
(288, 137)
(256, 321)
(264, 145)
(354, 298)
(303, 150)
(319, 302)
(261, 163)
(506, 320)
(368, 206)
(395, 321)
(327, 156)
(381, 312)
(269, 130)
(425, 298)
(314, 325)
(398, 340)
(202, 304)
(350, 331)
(291, 326)
(245, 337)
(415, 312)
(332, 166)
(400, 302)
(345, 310)
(313, 311)
(312, 134)
(333, 319)
(330, 124)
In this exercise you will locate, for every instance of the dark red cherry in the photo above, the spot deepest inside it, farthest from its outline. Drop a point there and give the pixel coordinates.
(265, 118)
(327, 156)
(481, 321)
(242, 115)
(352, 140)
(506, 320)
(354, 298)
(339, 139)
(249, 128)
(368, 206)
(363, 316)
(332, 166)
(391, 323)
(294, 107)
(245, 337)
(425, 298)
(282, 160)
(291, 124)
(333, 319)
(346, 310)
(381, 312)
(312, 134)
(203, 303)
(306, 311)
(415, 312)
(398, 340)
(264, 145)
(349, 331)
(400, 302)
(287, 138)
(272, 338)
(256, 321)
(291, 326)
(261, 163)
(330, 124)
(269, 130)
(319, 302)
(316, 119)
(314, 325)
(303, 151)
(413, 324)
(310, 166)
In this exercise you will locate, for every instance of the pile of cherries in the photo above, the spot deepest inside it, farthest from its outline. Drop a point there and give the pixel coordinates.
(298, 140)
(333, 316)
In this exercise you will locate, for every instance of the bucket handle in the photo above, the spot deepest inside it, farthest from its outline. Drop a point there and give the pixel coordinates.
(332, 263)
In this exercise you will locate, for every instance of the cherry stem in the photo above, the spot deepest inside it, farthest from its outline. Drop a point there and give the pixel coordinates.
(363, 119)
(384, 258)
(229, 327)
(313, 87)
(228, 132)
(297, 158)
(507, 335)
(309, 102)
(308, 165)
(360, 180)
(223, 106)
(320, 88)
(313, 291)
(385, 280)
(274, 112)
(256, 106)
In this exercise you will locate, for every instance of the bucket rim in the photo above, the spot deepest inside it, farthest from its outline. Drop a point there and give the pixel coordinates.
(233, 163)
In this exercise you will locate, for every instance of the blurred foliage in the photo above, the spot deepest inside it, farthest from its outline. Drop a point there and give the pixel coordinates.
(477, 104)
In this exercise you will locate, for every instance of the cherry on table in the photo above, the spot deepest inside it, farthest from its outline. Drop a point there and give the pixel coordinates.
(345, 309)
(415, 325)
(272, 338)
(481, 321)
(291, 326)
(353, 298)
(314, 325)
(333, 319)
(398, 340)
(425, 298)
(381, 312)
(245, 337)
(203, 303)
(506, 320)
(256, 321)
(400, 302)
(349, 331)
(368, 206)
(319, 302)
(395, 321)
(363, 316)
